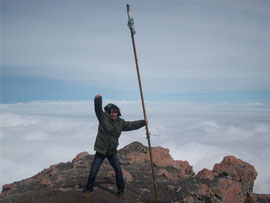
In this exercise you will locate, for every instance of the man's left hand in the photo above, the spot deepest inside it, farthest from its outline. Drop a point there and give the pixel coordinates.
(146, 121)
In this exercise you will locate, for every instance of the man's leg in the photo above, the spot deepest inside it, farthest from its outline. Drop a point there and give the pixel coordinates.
(113, 159)
(94, 170)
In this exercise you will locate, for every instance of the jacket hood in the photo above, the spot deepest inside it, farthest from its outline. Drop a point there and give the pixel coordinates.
(110, 106)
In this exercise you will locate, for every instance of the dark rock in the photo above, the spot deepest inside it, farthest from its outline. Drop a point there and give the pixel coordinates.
(262, 198)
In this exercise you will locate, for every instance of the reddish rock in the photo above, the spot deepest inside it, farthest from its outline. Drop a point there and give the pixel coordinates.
(165, 173)
(237, 170)
(184, 165)
(163, 158)
(251, 198)
(27, 181)
(126, 174)
(262, 198)
(230, 181)
(52, 170)
(79, 157)
(229, 191)
(44, 181)
(204, 190)
(7, 189)
(206, 174)
(8, 186)
(137, 153)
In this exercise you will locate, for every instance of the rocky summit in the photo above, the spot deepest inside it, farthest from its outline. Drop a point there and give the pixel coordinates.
(230, 181)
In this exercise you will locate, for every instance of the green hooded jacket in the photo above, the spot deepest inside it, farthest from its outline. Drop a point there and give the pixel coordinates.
(109, 130)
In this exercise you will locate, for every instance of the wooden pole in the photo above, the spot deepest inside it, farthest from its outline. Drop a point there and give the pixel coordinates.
(132, 31)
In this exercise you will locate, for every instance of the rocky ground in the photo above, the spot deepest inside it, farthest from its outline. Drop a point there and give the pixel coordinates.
(230, 181)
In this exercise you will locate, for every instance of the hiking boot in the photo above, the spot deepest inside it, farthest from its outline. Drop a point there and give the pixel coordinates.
(87, 193)
(121, 196)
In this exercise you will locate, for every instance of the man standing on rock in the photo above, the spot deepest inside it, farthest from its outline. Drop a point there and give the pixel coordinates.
(109, 131)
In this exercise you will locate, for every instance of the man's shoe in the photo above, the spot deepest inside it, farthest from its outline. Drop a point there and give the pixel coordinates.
(87, 193)
(121, 196)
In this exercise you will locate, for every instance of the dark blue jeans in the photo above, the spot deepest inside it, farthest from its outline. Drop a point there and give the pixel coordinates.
(113, 159)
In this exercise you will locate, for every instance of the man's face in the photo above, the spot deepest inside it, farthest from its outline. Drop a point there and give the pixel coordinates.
(113, 114)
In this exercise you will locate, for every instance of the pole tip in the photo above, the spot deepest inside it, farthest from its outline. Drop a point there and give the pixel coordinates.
(128, 7)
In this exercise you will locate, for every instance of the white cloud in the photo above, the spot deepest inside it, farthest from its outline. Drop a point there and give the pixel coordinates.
(35, 135)
(198, 155)
(207, 126)
(39, 136)
(9, 120)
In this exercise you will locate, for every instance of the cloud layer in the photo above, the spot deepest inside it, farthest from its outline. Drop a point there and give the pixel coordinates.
(35, 135)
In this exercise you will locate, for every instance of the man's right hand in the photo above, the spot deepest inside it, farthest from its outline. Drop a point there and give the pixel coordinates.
(98, 96)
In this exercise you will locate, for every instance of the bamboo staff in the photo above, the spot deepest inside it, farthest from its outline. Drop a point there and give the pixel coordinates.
(132, 31)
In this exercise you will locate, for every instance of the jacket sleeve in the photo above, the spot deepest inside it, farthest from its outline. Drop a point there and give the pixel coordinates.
(98, 108)
(132, 125)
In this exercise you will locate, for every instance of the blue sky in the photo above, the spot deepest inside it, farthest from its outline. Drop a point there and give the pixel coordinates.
(67, 50)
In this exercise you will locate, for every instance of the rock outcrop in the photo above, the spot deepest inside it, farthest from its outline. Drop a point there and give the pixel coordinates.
(230, 181)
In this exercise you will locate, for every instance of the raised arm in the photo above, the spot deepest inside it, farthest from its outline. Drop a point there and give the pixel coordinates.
(98, 107)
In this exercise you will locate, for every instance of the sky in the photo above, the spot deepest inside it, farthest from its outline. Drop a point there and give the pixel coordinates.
(67, 50)
(204, 67)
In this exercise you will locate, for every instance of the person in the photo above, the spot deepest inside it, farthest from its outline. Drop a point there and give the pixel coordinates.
(109, 130)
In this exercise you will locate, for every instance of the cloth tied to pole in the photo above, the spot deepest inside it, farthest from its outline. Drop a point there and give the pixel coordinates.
(131, 25)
